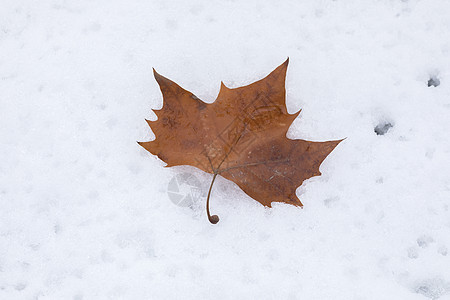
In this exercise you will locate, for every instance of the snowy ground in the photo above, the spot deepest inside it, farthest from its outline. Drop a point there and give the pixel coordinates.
(85, 212)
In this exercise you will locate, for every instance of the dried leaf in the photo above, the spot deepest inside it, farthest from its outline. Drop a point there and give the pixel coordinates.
(241, 136)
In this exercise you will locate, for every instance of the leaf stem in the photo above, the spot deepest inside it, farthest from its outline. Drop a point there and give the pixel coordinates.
(214, 218)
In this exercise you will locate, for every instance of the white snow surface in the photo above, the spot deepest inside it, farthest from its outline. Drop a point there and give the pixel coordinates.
(85, 212)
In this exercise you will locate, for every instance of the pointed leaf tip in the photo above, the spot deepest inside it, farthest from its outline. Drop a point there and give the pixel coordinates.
(159, 78)
(156, 74)
(285, 64)
(339, 141)
(223, 87)
(295, 115)
(281, 70)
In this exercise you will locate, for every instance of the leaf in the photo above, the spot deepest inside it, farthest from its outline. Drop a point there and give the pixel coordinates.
(241, 136)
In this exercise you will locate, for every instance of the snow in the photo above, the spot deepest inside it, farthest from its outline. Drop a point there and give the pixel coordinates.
(86, 214)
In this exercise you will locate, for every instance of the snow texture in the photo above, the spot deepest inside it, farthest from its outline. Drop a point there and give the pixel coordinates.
(86, 214)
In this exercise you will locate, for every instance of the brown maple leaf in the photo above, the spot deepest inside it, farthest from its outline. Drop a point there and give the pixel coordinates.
(241, 136)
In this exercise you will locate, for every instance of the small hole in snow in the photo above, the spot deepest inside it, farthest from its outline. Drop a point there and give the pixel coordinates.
(382, 128)
(433, 288)
(424, 241)
(434, 81)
